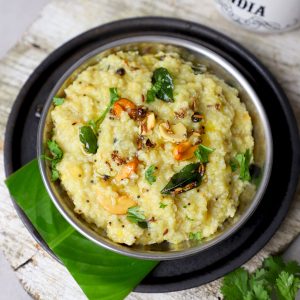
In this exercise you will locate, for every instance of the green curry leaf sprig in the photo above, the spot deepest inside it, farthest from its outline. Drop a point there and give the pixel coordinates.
(162, 86)
(57, 155)
(191, 175)
(88, 134)
(186, 179)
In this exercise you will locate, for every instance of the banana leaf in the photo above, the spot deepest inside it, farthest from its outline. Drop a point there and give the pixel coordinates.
(100, 273)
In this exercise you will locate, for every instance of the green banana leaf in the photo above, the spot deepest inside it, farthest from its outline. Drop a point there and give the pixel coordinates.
(100, 273)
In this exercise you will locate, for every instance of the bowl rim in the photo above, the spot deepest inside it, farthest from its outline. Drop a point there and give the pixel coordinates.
(189, 45)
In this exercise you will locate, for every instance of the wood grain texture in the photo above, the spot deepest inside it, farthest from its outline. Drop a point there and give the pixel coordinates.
(60, 20)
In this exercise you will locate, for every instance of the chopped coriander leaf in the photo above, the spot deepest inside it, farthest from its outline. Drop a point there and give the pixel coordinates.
(88, 138)
(54, 171)
(149, 174)
(57, 155)
(195, 236)
(162, 87)
(136, 216)
(162, 205)
(244, 163)
(202, 153)
(234, 165)
(58, 101)
(55, 150)
(189, 219)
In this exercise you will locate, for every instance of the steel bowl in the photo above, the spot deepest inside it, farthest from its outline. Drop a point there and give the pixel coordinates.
(197, 54)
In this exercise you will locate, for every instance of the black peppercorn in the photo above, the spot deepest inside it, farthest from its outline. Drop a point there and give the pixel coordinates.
(197, 117)
(121, 71)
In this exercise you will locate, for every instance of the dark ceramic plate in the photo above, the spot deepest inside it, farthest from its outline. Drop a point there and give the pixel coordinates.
(21, 134)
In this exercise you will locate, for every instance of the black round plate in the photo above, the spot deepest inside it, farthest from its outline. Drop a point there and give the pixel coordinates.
(20, 144)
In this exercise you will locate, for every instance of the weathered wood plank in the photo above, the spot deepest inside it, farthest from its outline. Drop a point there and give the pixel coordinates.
(43, 277)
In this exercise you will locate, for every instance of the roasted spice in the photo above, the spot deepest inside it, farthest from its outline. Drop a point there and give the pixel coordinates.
(149, 144)
(141, 112)
(117, 158)
(180, 114)
(197, 117)
(139, 142)
(202, 169)
(105, 177)
(166, 231)
(121, 71)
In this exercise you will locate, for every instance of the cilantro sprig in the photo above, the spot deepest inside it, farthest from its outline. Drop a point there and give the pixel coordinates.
(135, 215)
(57, 155)
(242, 161)
(149, 174)
(275, 278)
(202, 153)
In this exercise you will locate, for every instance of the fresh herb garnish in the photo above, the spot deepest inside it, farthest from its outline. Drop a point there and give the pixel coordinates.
(149, 174)
(202, 153)
(136, 216)
(88, 134)
(58, 101)
(93, 124)
(189, 219)
(113, 98)
(195, 236)
(162, 205)
(162, 86)
(57, 155)
(186, 179)
(243, 162)
(234, 165)
(274, 279)
(88, 138)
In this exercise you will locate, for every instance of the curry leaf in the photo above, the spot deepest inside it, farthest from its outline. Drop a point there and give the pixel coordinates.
(113, 98)
(92, 266)
(186, 179)
(162, 86)
(88, 138)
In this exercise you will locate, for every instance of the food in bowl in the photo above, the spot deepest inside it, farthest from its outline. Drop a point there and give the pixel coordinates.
(151, 148)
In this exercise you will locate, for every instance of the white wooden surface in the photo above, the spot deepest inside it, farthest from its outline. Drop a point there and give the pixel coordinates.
(59, 21)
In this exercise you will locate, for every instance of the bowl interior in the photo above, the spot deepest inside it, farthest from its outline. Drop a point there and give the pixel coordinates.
(215, 64)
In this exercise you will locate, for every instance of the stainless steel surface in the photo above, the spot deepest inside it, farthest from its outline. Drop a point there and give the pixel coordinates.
(215, 64)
